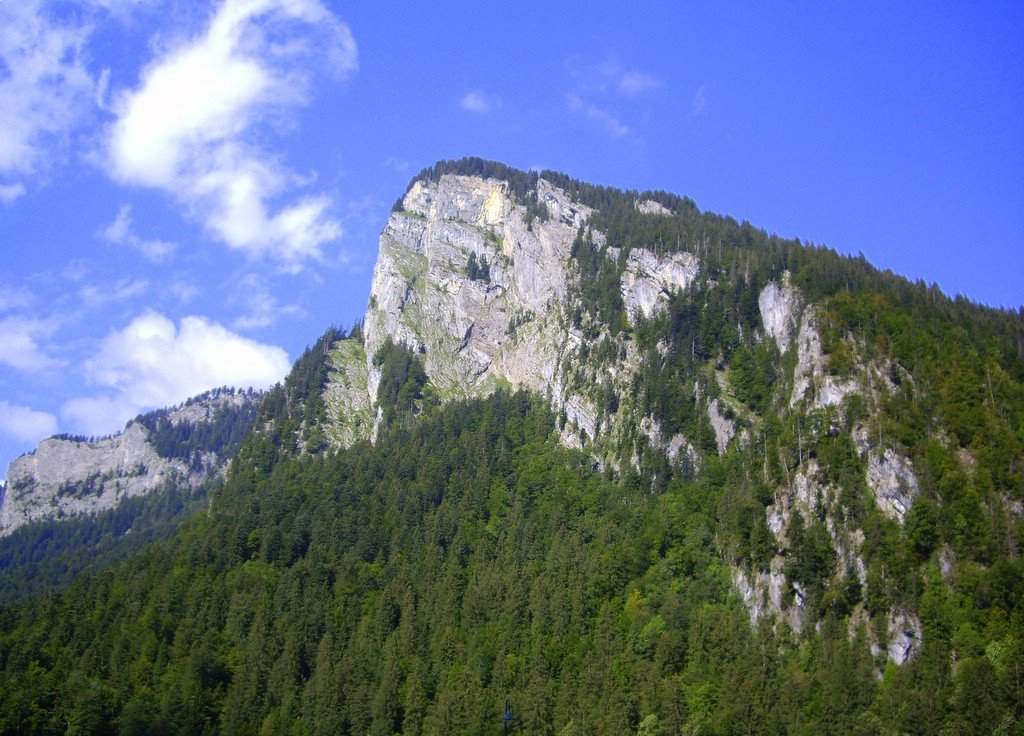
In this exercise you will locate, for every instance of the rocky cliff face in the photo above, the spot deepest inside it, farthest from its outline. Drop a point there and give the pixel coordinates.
(67, 477)
(511, 328)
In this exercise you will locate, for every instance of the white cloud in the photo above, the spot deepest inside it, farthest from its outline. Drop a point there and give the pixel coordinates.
(19, 344)
(399, 166)
(191, 127)
(152, 363)
(700, 100)
(120, 232)
(76, 270)
(477, 102)
(25, 424)
(599, 115)
(46, 89)
(11, 192)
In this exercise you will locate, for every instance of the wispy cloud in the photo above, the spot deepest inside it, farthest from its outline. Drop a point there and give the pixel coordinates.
(700, 101)
(14, 297)
(20, 344)
(635, 83)
(184, 291)
(195, 126)
(611, 78)
(603, 91)
(603, 117)
(476, 101)
(25, 424)
(399, 166)
(120, 232)
(153, 362)
(46, 88)
(95, 296)
(11, 192)
(262, 307)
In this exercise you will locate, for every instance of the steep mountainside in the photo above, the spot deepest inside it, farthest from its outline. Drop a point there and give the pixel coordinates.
(69, 476)
(624, 465)
(660, 335)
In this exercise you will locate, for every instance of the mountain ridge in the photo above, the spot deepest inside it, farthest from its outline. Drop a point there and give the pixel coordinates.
(69, 476)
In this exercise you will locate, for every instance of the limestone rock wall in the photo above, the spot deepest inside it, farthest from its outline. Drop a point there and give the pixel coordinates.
(511, 329)
(69, 477)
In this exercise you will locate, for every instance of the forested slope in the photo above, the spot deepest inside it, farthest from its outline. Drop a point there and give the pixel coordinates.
(200, 435)
(414, 586)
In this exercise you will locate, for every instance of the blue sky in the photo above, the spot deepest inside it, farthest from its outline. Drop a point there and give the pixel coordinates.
(190, 193)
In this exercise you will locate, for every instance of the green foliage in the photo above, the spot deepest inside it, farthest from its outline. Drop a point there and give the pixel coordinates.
(402, 382)
(478, 270)
(753, 373)
(296, 411)
(50, 554)
(221, 434)
(598, 293)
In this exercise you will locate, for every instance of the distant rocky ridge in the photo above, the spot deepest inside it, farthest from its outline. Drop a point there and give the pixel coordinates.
(67, 477)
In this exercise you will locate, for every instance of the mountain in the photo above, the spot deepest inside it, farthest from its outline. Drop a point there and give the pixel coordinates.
(79, 503)
(620, 464)
(73, 476)
(592, 299)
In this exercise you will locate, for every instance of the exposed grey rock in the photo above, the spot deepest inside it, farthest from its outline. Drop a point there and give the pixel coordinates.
(947, 563)
(350, 413)
(892, 480)
(809, 376)
(422, 296)
(649, 281)
(779, 305)
(763, 595)
(513, 329)
(650, 207)
(676, 448)
(67, 477)
(904, 630)
(724, 429)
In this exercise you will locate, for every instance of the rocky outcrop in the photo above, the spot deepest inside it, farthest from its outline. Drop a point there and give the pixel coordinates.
(350, 412)
(677, 448)
(650, 207)
(770, 594)
(649, 281)
(889, 475)
(779, 307)
(422, 295)
(811, 382)
(724, 429)
(904, 636)
(521, 323)
(893, 482)
(66, 477)
(763, 594)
